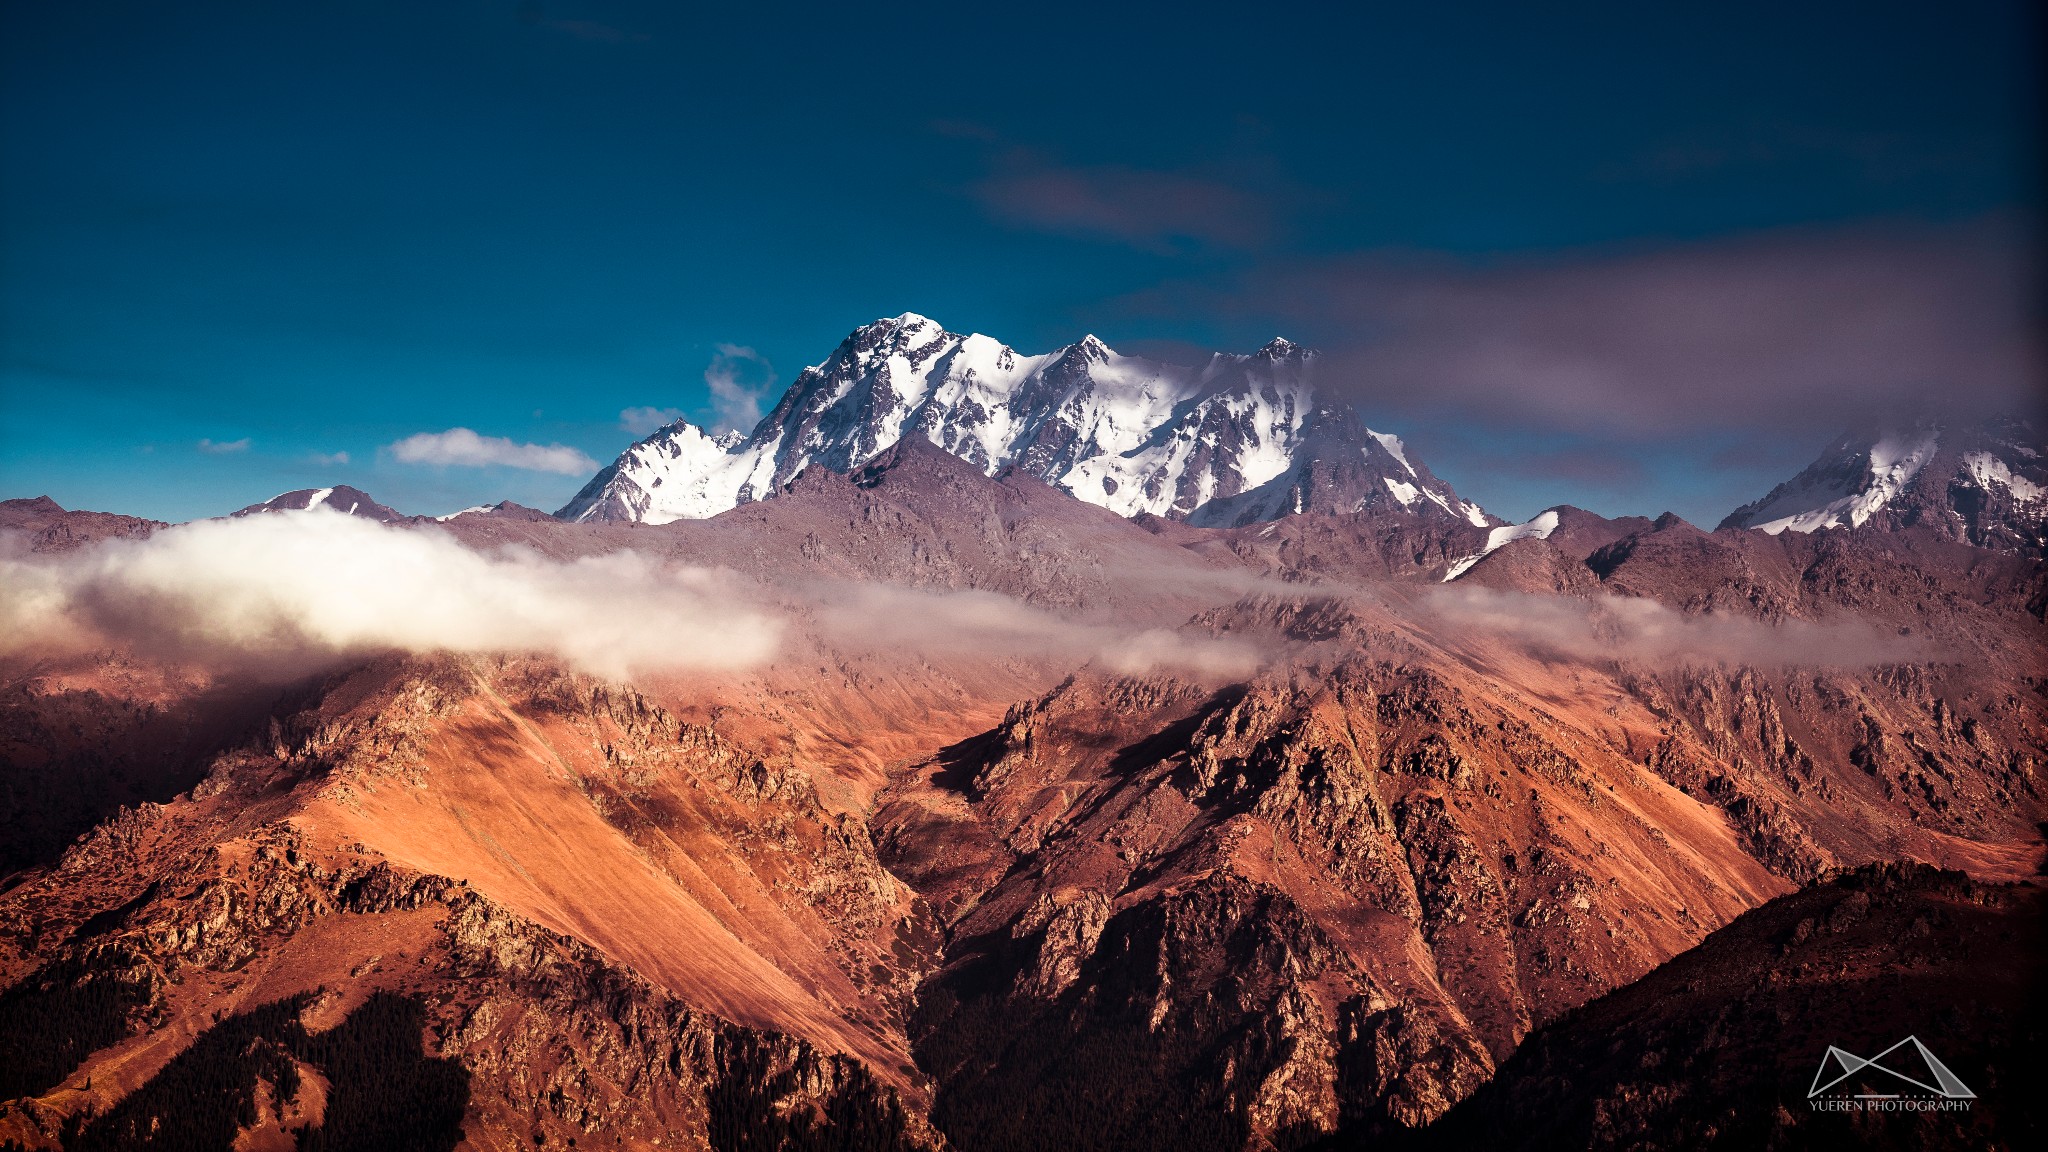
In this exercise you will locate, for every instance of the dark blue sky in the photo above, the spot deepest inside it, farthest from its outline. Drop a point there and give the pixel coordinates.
(323, 227)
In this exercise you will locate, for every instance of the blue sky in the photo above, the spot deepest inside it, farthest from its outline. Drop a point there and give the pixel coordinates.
(242, 240)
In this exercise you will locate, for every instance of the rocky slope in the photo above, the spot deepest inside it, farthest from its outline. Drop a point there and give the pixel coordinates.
(602, 922)
(1234, 440)
(1984, 484)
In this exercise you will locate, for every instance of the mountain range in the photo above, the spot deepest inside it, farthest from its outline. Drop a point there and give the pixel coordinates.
(1266, 796)
(1236, 440)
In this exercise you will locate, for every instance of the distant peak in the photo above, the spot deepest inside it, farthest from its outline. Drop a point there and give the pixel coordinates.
(341, 498)
(892, 332)
(1088, 347)
(1281, 348)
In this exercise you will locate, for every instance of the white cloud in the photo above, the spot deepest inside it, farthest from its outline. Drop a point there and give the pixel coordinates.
(224, 447)
(328, 459)
(464, 448)
(739, 379)
(643, 420)
(291, 591)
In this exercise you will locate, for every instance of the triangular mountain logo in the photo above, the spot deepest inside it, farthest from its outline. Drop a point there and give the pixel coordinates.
(1905, 1068)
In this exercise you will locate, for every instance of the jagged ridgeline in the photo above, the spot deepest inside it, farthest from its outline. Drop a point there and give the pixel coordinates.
(1233, 440)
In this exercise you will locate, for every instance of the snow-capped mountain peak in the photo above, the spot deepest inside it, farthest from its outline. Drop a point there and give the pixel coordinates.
(1239, 438)
(340, 498)
(1281, 348)
(1984, 484)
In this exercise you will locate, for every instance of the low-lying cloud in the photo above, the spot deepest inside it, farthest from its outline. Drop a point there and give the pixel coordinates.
(994, 626)
(1626, 628)
(289, 592)
(463, 448)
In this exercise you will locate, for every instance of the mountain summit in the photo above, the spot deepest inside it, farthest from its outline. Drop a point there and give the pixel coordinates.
(1238, 439)
(1983, 484)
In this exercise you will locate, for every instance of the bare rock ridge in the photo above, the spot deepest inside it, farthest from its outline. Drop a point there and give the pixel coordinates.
(1237, 439)
(51, 528)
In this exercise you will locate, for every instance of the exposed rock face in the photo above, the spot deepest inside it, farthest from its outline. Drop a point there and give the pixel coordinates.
(1235, 440)
(1985, 485)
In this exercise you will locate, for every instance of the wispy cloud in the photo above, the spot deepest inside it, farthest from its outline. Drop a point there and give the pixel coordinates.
(994, 626)
(1806, 330)
(1155, 211)
(739, 379)
(1635, 629)
(224, 447)
(328, 459)
(463, 448)
(643, 420)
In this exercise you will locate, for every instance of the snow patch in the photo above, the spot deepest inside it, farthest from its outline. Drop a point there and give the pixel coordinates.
(1987, 470)
(1539, 528)
(1833, 503)
(1392, 444)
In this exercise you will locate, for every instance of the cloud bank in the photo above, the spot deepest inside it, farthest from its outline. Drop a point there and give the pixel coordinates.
(463, 448)
(1627, 628)
(288, 592)
(994, 626)
(1806, 330)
